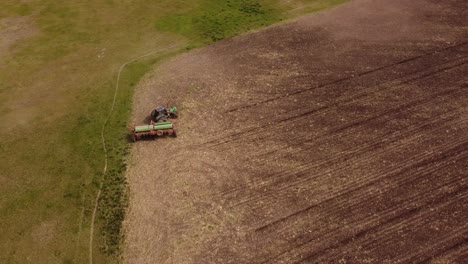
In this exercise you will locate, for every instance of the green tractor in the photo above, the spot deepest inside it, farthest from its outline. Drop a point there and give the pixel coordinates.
(162, 113)
(162, 123)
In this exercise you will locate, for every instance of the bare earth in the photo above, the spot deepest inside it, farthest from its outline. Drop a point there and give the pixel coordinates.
(339, 137)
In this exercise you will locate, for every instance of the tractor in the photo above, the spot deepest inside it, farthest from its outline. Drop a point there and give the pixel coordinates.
(162, 122)
(162, 113)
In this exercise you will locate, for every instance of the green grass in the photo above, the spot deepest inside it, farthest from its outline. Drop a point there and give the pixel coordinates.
(215, 20)
(55, 93)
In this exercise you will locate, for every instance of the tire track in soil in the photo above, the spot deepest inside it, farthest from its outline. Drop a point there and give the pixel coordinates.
(420, 216)
(421, 175)
(452, 242)
(417, 170)
(267, 201)
(391, 214)
(315, 138)
(380, 119)
(348, 78)
(395, 214)
(332, 131)
(412, 104)
(294, 144)
(360, 189)
(456, 253)
(369, 242)
(368, 91)
(348, 195)
(396, 211)
(404, 222)
(335, 155)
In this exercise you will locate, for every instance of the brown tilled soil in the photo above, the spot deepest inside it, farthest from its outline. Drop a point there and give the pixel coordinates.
(339, 137)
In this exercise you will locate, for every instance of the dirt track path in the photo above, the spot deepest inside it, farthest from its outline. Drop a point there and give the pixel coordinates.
(341, 136)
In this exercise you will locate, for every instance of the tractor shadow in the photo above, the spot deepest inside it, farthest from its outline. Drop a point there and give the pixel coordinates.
(146, 120)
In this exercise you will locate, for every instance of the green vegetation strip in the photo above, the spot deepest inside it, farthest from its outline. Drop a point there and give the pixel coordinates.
(215, 20)
(55, 93)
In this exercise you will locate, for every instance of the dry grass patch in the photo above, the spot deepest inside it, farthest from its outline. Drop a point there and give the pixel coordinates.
(14, 30)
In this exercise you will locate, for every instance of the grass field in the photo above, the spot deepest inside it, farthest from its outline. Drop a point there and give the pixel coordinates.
(56, 87)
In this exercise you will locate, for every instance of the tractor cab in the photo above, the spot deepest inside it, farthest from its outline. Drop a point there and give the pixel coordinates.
(162, 113)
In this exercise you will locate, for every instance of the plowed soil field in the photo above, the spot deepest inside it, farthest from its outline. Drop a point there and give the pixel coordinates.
(339, 137)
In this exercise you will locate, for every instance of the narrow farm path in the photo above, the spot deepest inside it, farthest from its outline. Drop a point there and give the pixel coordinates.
(104, 145)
